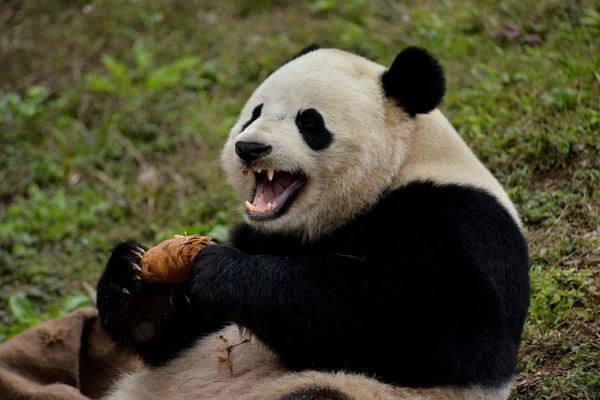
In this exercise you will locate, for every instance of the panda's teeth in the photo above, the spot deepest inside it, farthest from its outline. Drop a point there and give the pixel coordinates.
(251, 207)
(258, 170)
(270, 174)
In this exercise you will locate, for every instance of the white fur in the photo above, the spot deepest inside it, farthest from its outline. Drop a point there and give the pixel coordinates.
(437, 153)
(344, 178)
(375, 146)
(249, 371)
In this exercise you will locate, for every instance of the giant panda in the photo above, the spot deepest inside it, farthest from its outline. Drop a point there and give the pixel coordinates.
(378, 257)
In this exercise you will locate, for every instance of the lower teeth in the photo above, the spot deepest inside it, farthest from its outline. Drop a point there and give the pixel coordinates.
(252, 207)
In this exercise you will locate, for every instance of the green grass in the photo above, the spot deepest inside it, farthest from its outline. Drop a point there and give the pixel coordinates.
(112, 115)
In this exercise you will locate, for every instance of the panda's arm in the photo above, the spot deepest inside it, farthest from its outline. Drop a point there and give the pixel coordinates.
(306, 309)
(332, 312)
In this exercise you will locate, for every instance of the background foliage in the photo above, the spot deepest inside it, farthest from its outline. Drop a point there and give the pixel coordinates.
(112, 114)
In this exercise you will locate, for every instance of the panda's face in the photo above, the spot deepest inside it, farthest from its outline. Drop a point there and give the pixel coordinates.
(315, 144)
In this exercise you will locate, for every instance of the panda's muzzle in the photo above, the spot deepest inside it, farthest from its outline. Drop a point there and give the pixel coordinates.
(250, 151)
(274, 193)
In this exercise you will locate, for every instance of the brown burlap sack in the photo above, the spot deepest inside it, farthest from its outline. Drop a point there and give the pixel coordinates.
(68, 358)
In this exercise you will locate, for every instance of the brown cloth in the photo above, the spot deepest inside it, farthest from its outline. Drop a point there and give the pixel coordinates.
(68, 358)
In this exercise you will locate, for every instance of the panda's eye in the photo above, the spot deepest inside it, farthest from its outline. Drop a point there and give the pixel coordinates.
(255, 114)
(311, 125)
(309, 119)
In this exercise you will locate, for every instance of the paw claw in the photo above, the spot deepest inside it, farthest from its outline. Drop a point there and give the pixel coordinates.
(125, 291)
(137, 278)
(139, 251)
(135, 266)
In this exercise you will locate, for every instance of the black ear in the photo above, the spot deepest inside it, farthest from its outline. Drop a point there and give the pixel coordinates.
(415, 81)
(307, 49)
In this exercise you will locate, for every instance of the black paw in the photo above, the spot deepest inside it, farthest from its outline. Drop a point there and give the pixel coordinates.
(119, 285)
(120, 279)
(143, 316)
(157, 321)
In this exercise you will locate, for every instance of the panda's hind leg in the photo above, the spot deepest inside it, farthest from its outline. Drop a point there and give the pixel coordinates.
(153, 320)
(313, 385)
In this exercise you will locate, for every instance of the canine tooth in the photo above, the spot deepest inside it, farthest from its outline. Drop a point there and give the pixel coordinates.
(270, 174)
(269, 206)
(248, 205)
(258, 170)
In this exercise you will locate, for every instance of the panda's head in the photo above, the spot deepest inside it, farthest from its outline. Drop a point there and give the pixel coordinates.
(324, 136)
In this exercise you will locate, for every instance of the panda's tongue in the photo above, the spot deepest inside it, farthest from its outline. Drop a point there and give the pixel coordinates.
(268, 192)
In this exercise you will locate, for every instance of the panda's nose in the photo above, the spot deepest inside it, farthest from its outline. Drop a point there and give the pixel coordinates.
(250, 151)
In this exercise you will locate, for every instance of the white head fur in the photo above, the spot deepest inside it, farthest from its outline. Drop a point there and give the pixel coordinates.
(342, 179)
(372, 135)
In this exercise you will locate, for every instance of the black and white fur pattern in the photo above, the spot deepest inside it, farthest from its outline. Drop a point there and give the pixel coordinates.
(399, 270)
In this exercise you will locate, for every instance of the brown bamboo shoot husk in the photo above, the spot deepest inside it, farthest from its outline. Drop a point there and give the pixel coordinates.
(171, 260)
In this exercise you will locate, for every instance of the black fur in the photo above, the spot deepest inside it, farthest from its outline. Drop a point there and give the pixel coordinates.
(315, 393)
(311, 125)
(255, 114)
(415, 81)
(306, 50)
(153, 320)
(430, 287)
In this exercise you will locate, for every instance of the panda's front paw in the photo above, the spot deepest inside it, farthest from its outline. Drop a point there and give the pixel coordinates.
(133, 311)
(119, 282)
(156, 320)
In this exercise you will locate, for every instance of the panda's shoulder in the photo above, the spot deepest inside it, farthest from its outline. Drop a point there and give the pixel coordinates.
(440, 213)
(427, 202)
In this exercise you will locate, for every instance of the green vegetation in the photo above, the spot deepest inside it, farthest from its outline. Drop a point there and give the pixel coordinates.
(112, 115)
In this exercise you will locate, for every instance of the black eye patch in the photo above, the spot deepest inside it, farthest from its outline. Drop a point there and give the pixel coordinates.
(255, 114)
(311, 125)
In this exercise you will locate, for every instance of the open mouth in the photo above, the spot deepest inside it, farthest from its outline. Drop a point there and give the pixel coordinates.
(274, 193)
